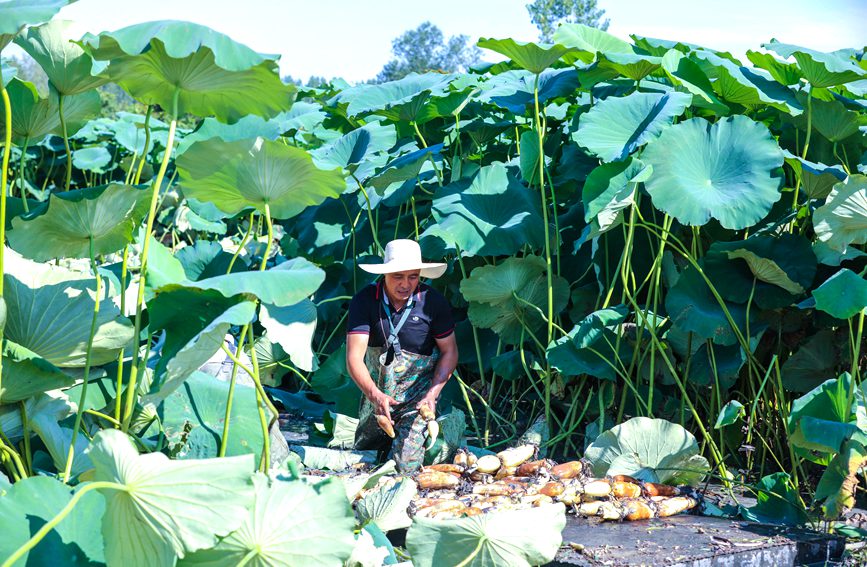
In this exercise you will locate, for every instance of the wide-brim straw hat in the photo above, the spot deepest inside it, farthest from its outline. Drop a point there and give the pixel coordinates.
(404, 255)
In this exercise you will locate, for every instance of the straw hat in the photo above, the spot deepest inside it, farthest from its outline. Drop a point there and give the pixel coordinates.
(404, 255)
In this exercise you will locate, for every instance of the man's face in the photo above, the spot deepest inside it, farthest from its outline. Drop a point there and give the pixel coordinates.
(400, 285)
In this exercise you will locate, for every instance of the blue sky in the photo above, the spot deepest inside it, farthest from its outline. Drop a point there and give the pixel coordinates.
(352, 39)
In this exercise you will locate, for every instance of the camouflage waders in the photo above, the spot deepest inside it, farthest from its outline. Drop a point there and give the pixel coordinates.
(406, 379)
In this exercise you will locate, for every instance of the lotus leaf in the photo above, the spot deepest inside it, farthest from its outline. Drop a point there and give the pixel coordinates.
(836, 488)
(333, 384)
(693, 308)
(610, 188)
(514, 90)
(819, 421)
(815, 361)
(405, 167)
(590, 41)
(205, 259)
(648, 449)
(15, 14)
(49, 310)
(491, 214)
(842, 295)
(70, 70)
(332, 459)
(291, 523)
(728, 170)
(730, 413)
(203, 72)
(630, 65)
(832, 120)
(777, 502)
(254, 173)
(400, 100)
(107, 214)
(785, 73)
(530, 56)
(842, 220)
(502, 297)
(166, 508)
(592, 346)
(615, 127)
(33, 501)
(34, 117)
(518, 538)
(385, 506)
(817, 179)
(25, 374)
(372, 549)
(820, 69)
(292, 327)
(746, 86)
(686, 73)
(248, 127)
(94, 158)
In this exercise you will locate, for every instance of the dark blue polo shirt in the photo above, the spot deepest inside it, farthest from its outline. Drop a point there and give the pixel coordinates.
(430, 318)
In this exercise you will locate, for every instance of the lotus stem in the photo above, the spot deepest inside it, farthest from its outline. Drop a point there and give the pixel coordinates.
(373, 226)
(243, 243)
(133, 377)
(144, 154)
(52, 523)
(119, 381)
(25, 426)
(63, 130)
(83, 398)
(21, 174)
(262, 400)
(224, 439)
(4, 172)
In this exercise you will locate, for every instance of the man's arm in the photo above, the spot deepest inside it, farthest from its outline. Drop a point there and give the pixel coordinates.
(448, 347)
(356, 346)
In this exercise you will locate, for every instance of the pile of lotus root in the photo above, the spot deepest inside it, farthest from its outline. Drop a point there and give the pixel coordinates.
(512, 480)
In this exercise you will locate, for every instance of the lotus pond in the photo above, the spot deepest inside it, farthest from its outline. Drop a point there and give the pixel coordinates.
(656, 257)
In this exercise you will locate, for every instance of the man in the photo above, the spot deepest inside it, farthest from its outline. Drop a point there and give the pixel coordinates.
(400, 351)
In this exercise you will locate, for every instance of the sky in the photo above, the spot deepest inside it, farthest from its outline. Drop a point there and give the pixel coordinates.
(352, 38)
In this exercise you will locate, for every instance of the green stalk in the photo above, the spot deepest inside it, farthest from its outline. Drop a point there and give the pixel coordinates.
(262, 400)
(119, 380)
(144, 155)
(373, 225)
(25, 426)
(81, 400)
(21, 174)
(548, 268)
(65, 141)
(52, 523)
(243, 243)
(242, 337)
(4, 171)
(133, 377)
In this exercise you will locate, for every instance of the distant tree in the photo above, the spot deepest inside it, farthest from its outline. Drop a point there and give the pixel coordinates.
(27, 69)
(425, 49)
(548, 14)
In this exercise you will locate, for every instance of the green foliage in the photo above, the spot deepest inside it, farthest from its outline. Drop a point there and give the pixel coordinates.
(425, 49)
(547, 15)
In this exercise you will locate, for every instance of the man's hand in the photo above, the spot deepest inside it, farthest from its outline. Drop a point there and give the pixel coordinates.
(382, 404)
(429, 399)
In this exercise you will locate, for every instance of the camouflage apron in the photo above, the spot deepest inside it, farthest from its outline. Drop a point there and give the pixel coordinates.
(406, 378)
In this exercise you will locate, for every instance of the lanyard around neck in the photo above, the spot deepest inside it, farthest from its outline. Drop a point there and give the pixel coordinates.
(395, 329)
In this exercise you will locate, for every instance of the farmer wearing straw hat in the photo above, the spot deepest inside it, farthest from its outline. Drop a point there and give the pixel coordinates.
(400, 351)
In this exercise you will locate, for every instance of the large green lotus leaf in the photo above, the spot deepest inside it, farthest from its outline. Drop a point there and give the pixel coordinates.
(252, 173)
(819, 422)
(292, 327)
(744, 85)
(518, 538)
(332, 459)
(832, 120)
(842, 295)
(283, 285)
(492, 291)
(610, 188)
(778, 502)
(530, 56)
(108, 214)
(386, 505)
(820, 69)
(15, 14)
(590, 41)
(785, 73)
(70, 70)
(34, 117)
(192, 418)
(653, 450)
(400, 100)
(291, 523)
(409, 166)
(693, 308)
(211, 74)
(205, 259)
(836, 488)
(196, 323)
(842, 220)
(168, 508)
(630, 65)
(353, 150)
(591, 347)
(333, 383)
(729, 170)
(49, 310)
(513, 90)
(817, 179)
(372, 548)
(492, 214)
(616, 126)
(686, 73)
(782, 267)
(25, 374)
(31, 502)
